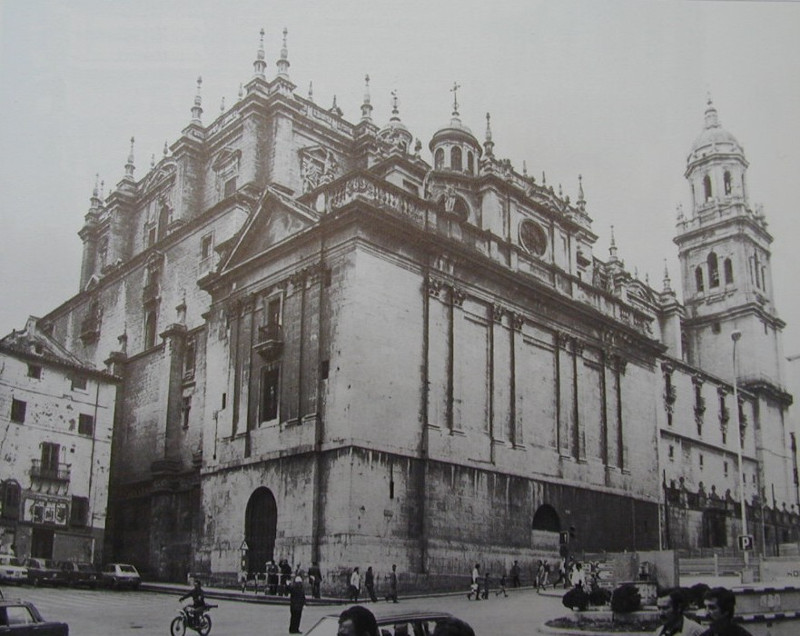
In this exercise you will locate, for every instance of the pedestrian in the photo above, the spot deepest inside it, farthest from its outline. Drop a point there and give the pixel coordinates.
(357, 621)
(546, 579)
(720, 604)
(474, 587)
(562, 574)
(272, 578)
(285, 577)
(297, 600)
(502, 587)
(369, 583)
(671, 606)
(515, 575)
(577, 577)
(315, 578)
(392, 595)
(539, 578)
(485, 591)
(243, 577)
(355, 585)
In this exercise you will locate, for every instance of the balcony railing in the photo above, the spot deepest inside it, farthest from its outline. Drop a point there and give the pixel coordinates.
(269, 343)
(53, 472)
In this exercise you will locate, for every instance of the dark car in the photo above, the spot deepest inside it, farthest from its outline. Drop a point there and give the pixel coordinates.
(121, 575)
(77, 574)
(43, 572)
(20, 617)
(390, 623)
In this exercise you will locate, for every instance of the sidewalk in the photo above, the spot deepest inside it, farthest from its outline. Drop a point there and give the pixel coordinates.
(231, 594)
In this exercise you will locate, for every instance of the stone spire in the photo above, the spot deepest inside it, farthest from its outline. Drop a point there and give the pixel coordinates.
(283, 62)
(488, 144)
(129, 166)
(335, 108)
(395, 110)
(96, 201)
(524, 168)
(240, 94)
(259, 65)
(667, 282)
(222, 105)
(197, 109)
(612, 248)
(311, 91)
(366, 106)
(166, 149)
(581, 202)
(152, 160)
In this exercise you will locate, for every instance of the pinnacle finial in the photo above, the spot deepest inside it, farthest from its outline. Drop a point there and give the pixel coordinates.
(544, 178)
(667, 281)
(222, 105)
(366, 106)
(152, 160)
(524, 168)
(679, 211)
(395, 110)
(166, 149)
(129, 166)
(259, 65)
(580, 188)
(488, 144)
(95, 199)
(335, 108)
(612, 248)
(241, 91)
(711, 116)
(311, 91)
(283, 62)
(197, 109)
(454, 90)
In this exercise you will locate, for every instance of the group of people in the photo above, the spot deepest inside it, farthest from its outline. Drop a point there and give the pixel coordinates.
(354, 588)
(719, 604)
(480, 585)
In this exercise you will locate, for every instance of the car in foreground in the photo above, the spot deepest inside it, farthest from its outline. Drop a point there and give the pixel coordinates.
(22, 617)
(76, 573)
(120, 576)
(12, 569)
(43, 572)
(390, 623)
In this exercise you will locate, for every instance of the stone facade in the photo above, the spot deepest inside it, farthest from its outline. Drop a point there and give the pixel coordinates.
(57, 418)
(335, 351)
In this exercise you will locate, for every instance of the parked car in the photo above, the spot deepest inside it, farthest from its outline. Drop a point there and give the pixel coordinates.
(406, 622)
(21, 617)
(121, 575)
(12, 570)
(77, 574)
(43, 572)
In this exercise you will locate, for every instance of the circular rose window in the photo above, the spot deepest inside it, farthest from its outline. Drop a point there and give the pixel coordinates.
(532, 237)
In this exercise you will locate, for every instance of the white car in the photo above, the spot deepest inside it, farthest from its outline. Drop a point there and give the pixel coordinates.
(121, 575)
(12, 570)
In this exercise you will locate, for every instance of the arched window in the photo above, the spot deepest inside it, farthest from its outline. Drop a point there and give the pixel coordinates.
(728, 271)
(707, 188)
(713, 270)
(150, 325)
(727, 182)
(11, 497)
(470, 163)
(698, 278)
(438, 159)
(455, 158)
(546, 518)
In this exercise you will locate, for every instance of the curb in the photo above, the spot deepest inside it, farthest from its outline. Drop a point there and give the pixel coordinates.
(560, 631)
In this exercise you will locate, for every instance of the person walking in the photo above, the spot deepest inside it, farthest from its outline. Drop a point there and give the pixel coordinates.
(369, 583)
(285, 577)
(297, 600)
(474, 587)
(315, 578)
(577, 577)
(502, 588)
(562, 574)
(539, 578)
(515, 571)
(485, 591)
(355, 585)
(272, 578)
(392, 595)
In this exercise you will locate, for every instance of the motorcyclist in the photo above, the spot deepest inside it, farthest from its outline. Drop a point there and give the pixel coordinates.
(198, 605)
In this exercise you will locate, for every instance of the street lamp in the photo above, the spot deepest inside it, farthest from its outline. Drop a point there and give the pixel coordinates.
(735, 336)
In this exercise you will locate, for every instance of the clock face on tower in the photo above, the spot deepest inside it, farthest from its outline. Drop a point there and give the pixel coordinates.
(533, 237)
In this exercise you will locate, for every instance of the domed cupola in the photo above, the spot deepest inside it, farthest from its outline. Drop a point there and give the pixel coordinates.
(395, 132)
(454, 147)
(716, 164)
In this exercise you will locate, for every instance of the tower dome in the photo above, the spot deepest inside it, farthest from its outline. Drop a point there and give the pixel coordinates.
(454, 147)
(714, 139)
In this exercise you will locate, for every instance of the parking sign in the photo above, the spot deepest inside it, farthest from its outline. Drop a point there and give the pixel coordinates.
(745, 541)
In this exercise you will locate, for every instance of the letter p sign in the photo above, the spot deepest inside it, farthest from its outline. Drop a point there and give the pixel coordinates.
(745, 541)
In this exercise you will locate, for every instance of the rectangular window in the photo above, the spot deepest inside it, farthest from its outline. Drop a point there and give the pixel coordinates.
(270, 377)
(274, 312)
(78, 382)
(18, 408)
(186, 408)
(50, 455)
(86, 424)
(189, 357)
(230, 186)
(701, 462)
(324, 369)
(725, 469)
(34, 371)
(671, 453)
(79, 513)
(206, 244)
(151, 237)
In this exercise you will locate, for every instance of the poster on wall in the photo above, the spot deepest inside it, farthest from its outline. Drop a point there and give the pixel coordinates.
(43, 510)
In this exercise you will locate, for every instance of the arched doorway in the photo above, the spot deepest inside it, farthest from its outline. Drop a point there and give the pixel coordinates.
(546, 518)
(260, 527)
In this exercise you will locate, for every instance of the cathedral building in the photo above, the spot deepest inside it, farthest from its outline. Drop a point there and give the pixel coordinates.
(336, 347)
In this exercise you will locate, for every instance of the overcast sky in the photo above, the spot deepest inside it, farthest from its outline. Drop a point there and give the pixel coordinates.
(614, 91)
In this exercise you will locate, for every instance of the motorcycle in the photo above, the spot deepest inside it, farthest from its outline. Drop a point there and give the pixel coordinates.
(187, 617)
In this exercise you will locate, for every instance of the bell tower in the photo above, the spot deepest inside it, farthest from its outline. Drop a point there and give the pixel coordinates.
(724, 251)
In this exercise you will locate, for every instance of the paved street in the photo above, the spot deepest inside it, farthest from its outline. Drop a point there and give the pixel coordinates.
(101, 612)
